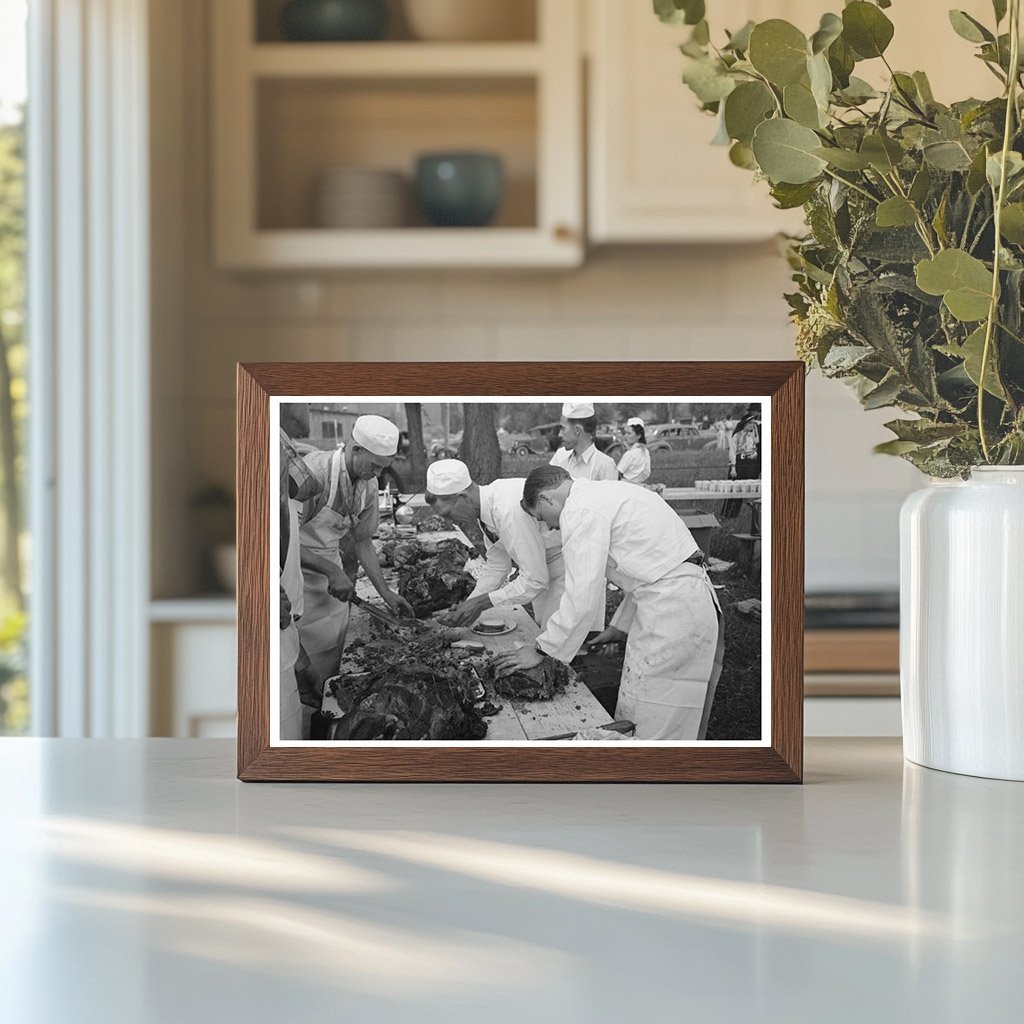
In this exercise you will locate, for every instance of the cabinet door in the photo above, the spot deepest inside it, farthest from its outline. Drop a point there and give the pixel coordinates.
(653, 175)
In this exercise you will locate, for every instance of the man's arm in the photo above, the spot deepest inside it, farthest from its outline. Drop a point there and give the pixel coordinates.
(520, 535)
(362, 538)
(338, 584)
(585, 553)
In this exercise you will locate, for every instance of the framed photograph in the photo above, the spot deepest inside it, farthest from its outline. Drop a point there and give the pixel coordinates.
(513, 572)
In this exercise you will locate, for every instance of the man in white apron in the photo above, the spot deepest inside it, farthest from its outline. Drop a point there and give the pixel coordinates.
(578, 455)
(670, 616)
(346, 507)
(511, 537)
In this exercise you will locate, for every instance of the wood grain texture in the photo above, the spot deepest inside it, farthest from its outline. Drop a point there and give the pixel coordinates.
(618, 762)
(852, 650)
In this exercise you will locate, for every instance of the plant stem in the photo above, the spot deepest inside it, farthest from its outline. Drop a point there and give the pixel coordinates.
(993, 308)
(850, 184)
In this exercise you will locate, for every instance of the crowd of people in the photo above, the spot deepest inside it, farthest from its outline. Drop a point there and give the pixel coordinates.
(551, 541)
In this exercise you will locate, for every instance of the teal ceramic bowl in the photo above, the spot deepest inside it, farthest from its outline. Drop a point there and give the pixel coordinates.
(461, 190)
(333, 21)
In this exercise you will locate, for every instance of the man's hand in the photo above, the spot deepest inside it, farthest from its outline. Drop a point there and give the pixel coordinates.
(732, 472)
(399, 605)
(339, 585)
(286, 610)
(466, 613)
(611, 635)
(525, 657)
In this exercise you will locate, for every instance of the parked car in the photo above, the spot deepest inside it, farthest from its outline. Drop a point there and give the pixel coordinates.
(522, 444)
(549, 432)
(676, 436)
(440, 450)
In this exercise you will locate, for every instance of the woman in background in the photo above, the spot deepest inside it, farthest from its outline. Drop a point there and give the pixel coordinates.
(635, 465)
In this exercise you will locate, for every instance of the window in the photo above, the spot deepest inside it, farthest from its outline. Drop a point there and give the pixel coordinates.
(14, 705)
(328, 429)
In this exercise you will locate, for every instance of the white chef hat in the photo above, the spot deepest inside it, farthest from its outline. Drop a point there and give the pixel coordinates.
(634, 421)
(578, 410)
(447, 476)
(376, 434)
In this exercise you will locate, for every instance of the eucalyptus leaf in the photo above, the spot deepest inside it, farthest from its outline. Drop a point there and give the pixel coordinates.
(741, 155)
(676, 12)
(844, 159)
(976, 173)
(701, 33)
(924, 88)
(884, 395)
(739, 41)
(829, 30)
(707, 80)
(895, 212)
(1012, 223)
(820, 76)
(971, 352)
(947, 156)
(788, 196)
(894, 447)
(800, 105)
(745, 108)
(785, 151)
(968, 28)
(779, 51)
(999, 7)
(858, 91)
(963, 281)
(994, 167)
(883, 153)
(841, 60)
(866, 29)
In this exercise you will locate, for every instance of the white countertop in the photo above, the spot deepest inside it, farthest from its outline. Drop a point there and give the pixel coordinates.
(143, 884)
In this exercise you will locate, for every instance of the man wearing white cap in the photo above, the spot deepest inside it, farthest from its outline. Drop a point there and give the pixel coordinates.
(670, 617)
(578, 455)
(635, 465)
(345, 507)
(510, 537)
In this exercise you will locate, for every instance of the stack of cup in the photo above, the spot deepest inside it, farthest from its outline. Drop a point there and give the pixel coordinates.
(361, 197)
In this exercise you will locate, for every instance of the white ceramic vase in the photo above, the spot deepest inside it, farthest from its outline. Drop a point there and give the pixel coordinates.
(962, 624)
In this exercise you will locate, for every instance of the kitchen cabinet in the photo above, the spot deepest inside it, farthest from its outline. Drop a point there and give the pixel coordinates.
(287, 113)
(653, 175)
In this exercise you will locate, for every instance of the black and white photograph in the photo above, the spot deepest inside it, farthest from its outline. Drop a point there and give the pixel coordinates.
(504, 571)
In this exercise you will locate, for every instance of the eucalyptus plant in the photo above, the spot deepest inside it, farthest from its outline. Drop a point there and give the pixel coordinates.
(910, 278)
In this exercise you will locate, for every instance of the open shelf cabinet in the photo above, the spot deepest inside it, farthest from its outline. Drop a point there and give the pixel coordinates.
(285, 113)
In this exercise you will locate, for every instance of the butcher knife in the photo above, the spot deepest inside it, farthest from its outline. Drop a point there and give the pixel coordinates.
(623, 726)
(388, 617)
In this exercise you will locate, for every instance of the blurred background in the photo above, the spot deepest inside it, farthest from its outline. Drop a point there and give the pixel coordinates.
(251, 180)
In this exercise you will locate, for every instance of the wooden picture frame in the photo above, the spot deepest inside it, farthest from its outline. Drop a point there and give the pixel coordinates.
(779, 759)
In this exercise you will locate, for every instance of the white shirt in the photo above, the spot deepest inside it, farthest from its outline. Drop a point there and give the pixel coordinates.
(617, 530)
(635, 464)
(519, 541)
(591, 465)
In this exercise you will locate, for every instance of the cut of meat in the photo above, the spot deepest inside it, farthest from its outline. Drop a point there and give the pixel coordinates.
(410, 688)
(431, 576)
(540, 683)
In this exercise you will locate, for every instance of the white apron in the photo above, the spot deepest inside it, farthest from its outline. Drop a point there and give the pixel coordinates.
(546, 604)
(673, 655)
(324, 621)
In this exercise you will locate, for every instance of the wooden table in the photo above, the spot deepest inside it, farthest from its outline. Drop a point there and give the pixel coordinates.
(574, 709)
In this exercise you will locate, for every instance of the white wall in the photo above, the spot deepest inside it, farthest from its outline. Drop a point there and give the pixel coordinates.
(654, 303)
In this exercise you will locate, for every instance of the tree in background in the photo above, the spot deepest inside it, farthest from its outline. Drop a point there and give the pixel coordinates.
(479, 450)
(12, 349)
(14, 707)
(417, 450)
